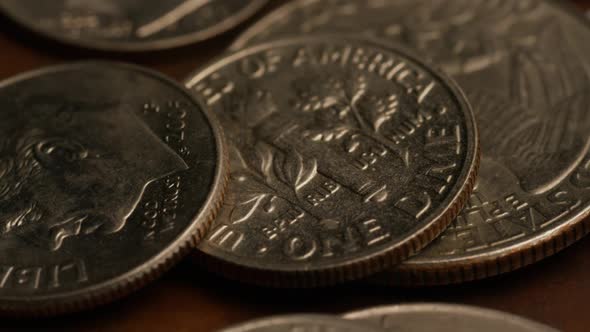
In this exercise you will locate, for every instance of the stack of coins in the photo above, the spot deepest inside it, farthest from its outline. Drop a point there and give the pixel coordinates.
(403, 142)
(525, 74)
(347, 156)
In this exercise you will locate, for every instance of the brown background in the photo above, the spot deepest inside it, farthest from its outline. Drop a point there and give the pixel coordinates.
(555, 291)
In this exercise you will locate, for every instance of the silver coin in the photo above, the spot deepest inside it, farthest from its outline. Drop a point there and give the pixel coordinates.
(525, 68)
(445, 318)
(303, 323)
(346, 157)
(109, 174)
(130, 25)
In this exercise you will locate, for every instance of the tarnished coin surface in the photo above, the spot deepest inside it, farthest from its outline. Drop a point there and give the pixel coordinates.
(304, 323)
(108, 174)
(346, 157)
(130, 25)
(524, 66)
(445, 318)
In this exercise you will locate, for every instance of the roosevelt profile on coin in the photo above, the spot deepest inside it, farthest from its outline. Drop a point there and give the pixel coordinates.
(74, 167)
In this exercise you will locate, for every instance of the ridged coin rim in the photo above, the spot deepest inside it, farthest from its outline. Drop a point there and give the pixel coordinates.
(515, 257)
(462, 270)
(377, 262)
(132, 280)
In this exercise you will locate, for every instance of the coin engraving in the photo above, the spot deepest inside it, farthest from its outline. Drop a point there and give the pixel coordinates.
(50, 155)
(524, 70)
(88, 174)
(130, 24)
(338, 152)
(36, 277)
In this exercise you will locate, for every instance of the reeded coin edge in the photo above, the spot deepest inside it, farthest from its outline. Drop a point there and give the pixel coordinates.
(458, 309)
(459, 271)
(334, 275)
(378, 262)
(462, 270)
(155, 45)
(116, 288)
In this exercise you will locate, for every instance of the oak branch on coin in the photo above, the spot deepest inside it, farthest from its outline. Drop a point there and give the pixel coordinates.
(524, 67)
(346, 157)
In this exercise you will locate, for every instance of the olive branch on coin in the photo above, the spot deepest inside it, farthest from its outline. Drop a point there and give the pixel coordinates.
(266, 174)
(342, 109)
(273, 175)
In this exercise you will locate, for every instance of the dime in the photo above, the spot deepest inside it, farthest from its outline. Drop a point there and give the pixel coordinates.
(445, 318)
(130, 25)
(109, 173)
(524, 66)
(303, 323)
(346, 157)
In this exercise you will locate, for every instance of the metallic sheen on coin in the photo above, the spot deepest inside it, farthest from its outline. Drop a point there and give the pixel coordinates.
(130, 25)
(109, 173)
(445, 318)
(525, 68)
(346, 157)
(303, 323)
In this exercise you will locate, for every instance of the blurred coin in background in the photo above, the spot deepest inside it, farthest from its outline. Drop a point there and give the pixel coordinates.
(445, 318)
(100, 191)
(525, 68)
(130, 25)
(346, 157)
(304, 323)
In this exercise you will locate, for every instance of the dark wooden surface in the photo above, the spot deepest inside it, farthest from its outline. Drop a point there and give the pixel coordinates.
(555, 291)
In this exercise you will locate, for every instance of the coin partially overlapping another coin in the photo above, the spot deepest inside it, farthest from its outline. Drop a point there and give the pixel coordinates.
(130, 25)
(109, 173)
(525, 68)
(347, 156)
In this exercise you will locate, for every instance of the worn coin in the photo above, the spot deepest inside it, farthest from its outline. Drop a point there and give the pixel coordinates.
(130, 25)
(445, 318)
(108, 174)
(524, 66)
(346, 157)
(304, 323)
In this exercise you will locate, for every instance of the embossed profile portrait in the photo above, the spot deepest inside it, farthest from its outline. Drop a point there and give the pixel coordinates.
(528, 84)
(74, 168)
(533, 113)
(534, 151)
